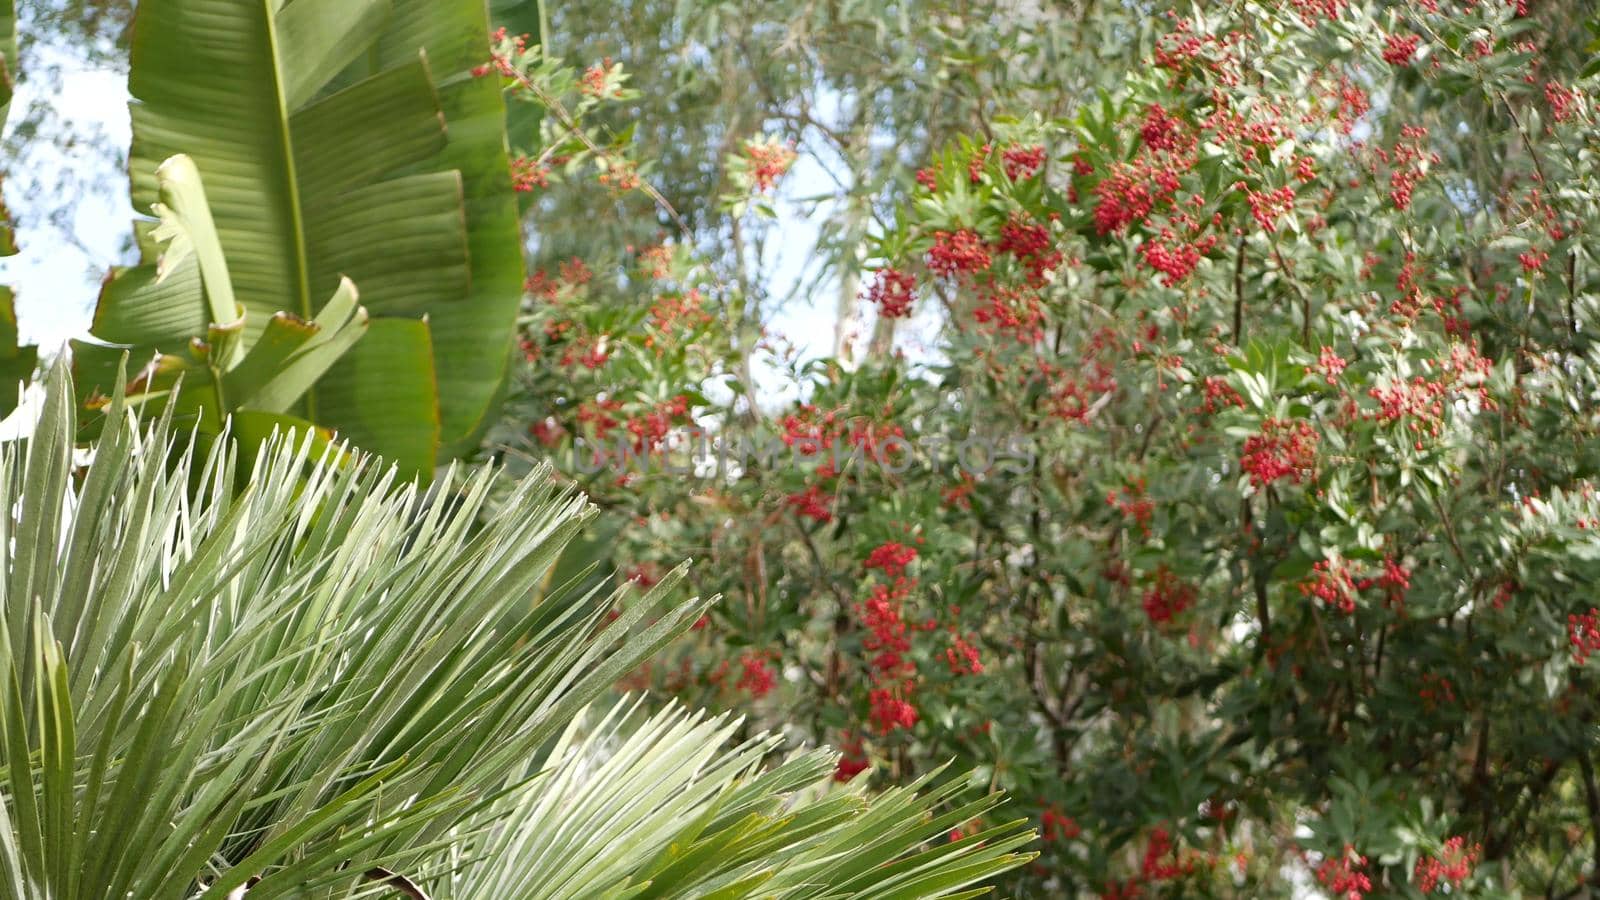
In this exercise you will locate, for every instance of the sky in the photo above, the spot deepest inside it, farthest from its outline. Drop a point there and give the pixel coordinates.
(67, 238)
(74, 218)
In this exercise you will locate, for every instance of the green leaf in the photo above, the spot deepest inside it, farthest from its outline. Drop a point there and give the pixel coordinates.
(187, 229)
(390, 401)
(17, 362)
(342, 160)
(292, 353)
(473, 338)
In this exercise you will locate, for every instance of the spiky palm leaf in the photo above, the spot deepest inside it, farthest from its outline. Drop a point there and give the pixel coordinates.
(687, 814)
(333, 682)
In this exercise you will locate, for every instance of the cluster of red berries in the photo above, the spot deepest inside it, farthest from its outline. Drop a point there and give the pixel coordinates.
(673, 314)
(1219, 394)
(1055, 825)
(1342, 875)
(890, 637)
(812, 504)
(1174, 259)
(1408, 161)
(547, 431)
(1351, 104)
(1183, 49)
(1160, 131)
(852, 759)
(889, 641)
(1132, 503)
(594, 81)
(755, 677)
(650, 429)
(571, 275)
(597, 414)
(1452, 866)
(1125, 196)
(591, 352)
(528, 173)
(1312, 10)
(1022, 162)
(504, 51)
(1399, 50)
(1029, 243)
(1418, 402)
(882, 442)
(1156, 866)
(621, 176)
(768, 162)
(890, 707)
(1332, 583)
(957, 253)
(1285, 449)
(1583, 633)
(893, 291)
(1167, 597)
(1436, 690)
(892, 558)
(1161, 862)
(1563, 101)
(1267, 207)
(810, 431)
(1011, 311)
(963, 658)
(1329, 365)
(1395, 581)
(654, 261)
(976, 162)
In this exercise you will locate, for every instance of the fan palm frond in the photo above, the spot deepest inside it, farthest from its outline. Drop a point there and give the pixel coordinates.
(334, 681)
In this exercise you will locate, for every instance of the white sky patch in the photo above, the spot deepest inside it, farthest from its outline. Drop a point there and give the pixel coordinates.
(71, 203)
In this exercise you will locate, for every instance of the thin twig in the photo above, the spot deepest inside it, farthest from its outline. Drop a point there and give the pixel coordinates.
(1591, 796)
(571, 124)
(1238, 295)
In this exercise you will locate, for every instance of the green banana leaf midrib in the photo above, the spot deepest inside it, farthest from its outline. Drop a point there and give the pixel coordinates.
(297, 228)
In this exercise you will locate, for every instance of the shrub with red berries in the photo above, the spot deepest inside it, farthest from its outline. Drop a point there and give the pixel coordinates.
(1232, 497)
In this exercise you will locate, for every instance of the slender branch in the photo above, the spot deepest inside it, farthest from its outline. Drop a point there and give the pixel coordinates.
(1555, 871)
(1450, 531)
(1591, 796)
(1238, 295)
(1522, 133)
(1572, 291)
(1305, 301)
(571, 124)
(821, 567)
(1258, 577)
(1377, 659)
(1497, 845)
